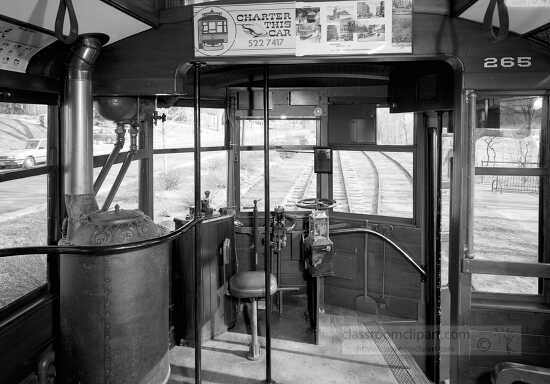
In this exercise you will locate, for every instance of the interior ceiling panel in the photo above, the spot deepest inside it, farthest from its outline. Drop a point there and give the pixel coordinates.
(525, 15)
(92, 15)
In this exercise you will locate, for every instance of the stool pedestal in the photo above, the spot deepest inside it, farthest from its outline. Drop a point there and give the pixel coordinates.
(255, 349)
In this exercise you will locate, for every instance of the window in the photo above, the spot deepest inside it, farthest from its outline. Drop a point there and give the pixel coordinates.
(506, 190)
(291, 178)
(212, 26)
(378, 182)
(174, 183)
(394, 128)
(104, 136)
(374, 183)
(24, 136)
(23, 201)
(173, 162)
(447, 144)
(291, 162)
(177, 130)
(282, 132)
(127, 194)
(173, 186)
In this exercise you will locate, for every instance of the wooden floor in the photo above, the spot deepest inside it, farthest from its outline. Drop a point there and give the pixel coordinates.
(354, 333)
(353, 348)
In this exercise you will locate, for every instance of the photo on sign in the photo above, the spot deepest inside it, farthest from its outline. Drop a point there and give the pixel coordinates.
(308, 23)
(215, 31)
(370, 32)
(340, 23)
(370, 9)
(339, 13)
(402, 23)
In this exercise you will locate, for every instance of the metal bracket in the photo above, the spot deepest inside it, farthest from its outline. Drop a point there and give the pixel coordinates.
(467, 265)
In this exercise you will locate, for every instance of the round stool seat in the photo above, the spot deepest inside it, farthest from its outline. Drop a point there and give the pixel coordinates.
(251, 284)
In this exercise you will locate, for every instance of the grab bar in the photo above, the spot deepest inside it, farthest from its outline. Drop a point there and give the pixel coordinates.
(411, 261)
(107, 250)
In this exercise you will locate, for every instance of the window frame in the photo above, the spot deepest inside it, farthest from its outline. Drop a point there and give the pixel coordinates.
(409, 148)
(248, 148)
(54, 209)
(543, 172)
(167, 151)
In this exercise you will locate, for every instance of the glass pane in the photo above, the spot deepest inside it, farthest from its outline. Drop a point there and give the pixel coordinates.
(214, 177)
(22, 213)
(394, 128)
(506, 227)
(104, 135)
(508, 132)
(128, 192)
(177, 130)
(505, 284)
(23, 139)
(447, 141)
(174, 184)
(281, 132)
(292, 178)
(506, 218)
(376, 183)
(173, 187)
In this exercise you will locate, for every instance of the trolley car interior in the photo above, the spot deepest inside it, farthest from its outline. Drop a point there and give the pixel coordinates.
(332, 218)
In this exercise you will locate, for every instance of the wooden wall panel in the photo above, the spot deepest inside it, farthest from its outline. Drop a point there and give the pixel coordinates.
(391, 280)
(505, 334)
(150, 62)
(23, 338)
(215, 317)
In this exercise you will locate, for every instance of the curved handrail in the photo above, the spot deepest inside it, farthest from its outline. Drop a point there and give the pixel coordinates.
(389, 241)
(102, 250)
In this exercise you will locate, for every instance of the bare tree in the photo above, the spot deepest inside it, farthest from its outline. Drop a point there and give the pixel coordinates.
(490, 148)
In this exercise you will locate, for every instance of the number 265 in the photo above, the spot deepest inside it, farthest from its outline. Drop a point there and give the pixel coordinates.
(507, 62)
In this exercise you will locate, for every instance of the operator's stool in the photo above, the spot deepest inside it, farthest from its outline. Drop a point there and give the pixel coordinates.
(251, 285)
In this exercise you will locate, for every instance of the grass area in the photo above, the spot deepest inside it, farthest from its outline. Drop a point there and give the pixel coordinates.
(174, 183)
(20, 275)
(505, 228)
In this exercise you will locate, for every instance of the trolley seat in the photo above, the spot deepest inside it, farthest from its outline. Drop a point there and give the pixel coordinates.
(250, 284)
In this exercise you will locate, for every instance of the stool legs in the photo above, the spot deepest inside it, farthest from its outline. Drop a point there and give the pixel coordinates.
(255, 351)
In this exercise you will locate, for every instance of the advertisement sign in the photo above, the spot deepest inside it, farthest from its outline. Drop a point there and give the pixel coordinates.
(243, 30)
(296, 29)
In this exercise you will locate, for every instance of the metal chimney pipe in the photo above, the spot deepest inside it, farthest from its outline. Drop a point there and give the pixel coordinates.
(78, 128)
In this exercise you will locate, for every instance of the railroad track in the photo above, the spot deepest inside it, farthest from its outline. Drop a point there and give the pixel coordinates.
(365, 182)
(302, 188)
(394, 184)
(339, 191)
(372, 183)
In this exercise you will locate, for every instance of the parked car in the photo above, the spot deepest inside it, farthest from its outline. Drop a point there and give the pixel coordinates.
(104, 135)
(34, 152)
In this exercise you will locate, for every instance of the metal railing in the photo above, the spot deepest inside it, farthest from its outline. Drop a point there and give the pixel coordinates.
(400, 250)
(106, 250)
